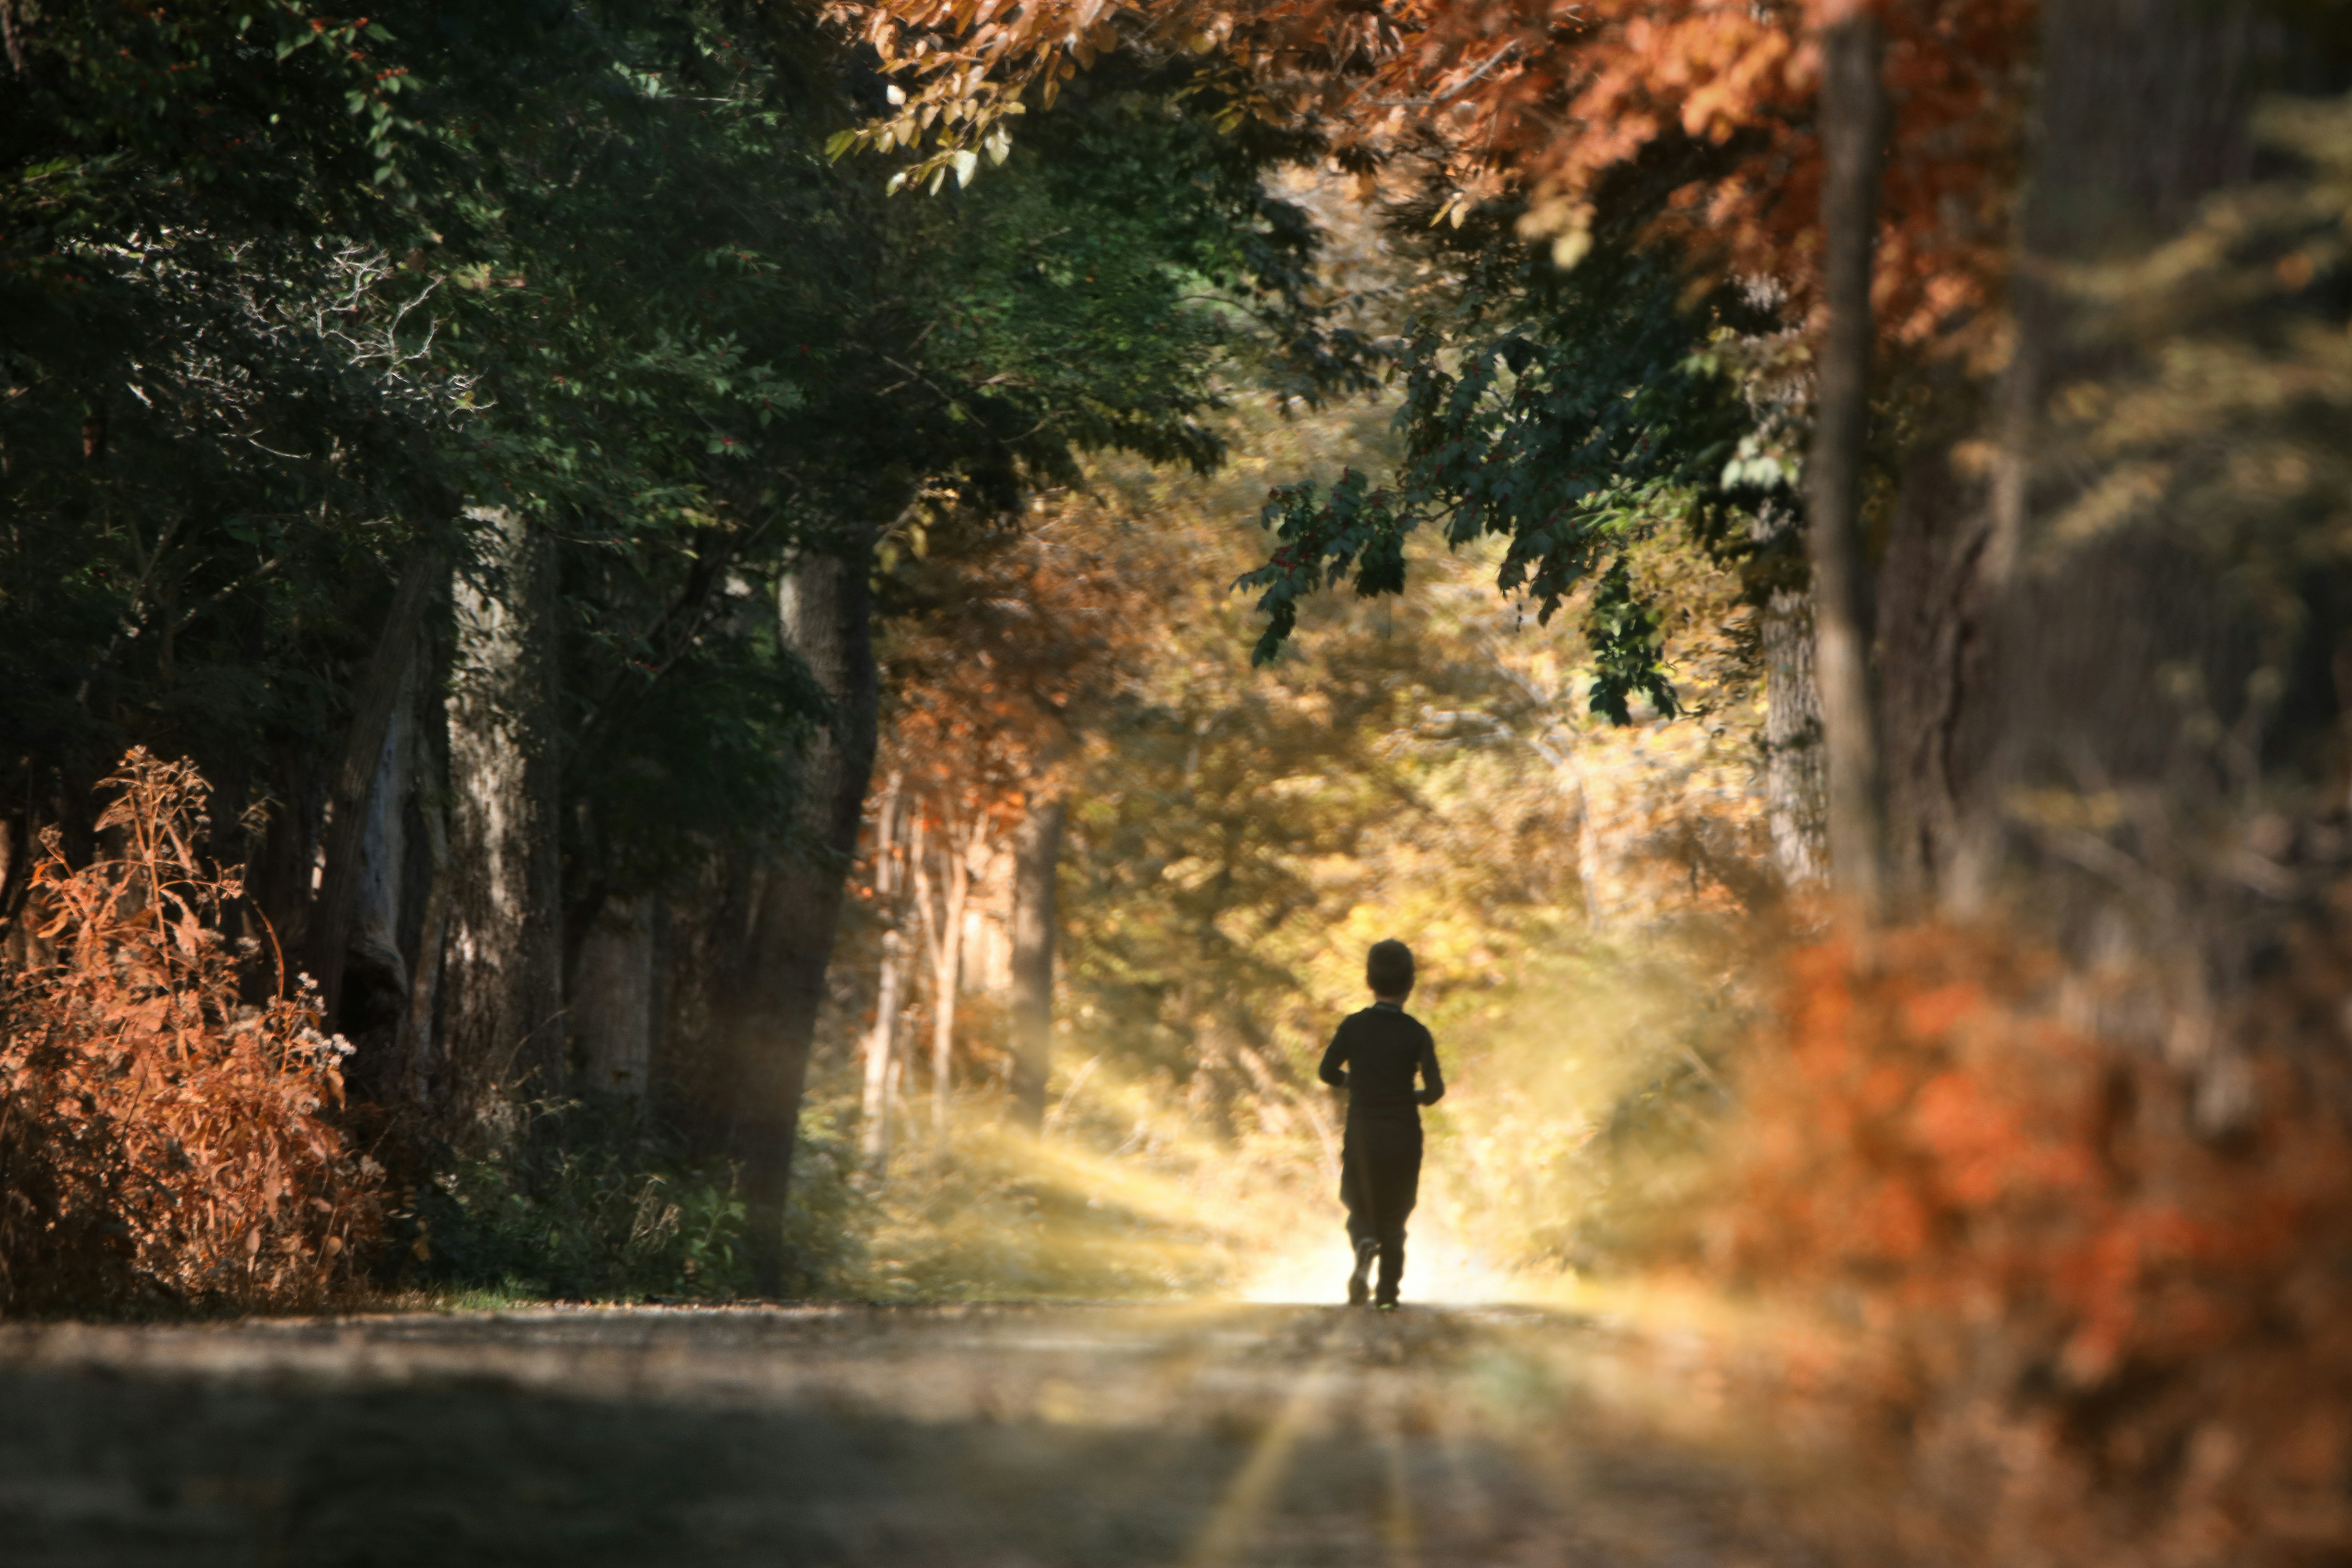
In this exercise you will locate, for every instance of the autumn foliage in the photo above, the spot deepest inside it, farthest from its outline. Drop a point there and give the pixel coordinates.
(160, 1139)
(1541, 101)
(2100, 1325)
(994, 671)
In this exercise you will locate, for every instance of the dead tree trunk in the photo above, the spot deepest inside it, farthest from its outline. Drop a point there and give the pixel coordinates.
(824, 606)
(329, 929)
(1037, 855)
(505, 973)
(1852, 129)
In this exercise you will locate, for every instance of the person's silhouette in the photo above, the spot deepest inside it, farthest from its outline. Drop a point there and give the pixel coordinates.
(1375, 1055)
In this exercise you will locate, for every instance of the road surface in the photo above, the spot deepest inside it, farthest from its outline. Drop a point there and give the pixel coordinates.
(989, 1437)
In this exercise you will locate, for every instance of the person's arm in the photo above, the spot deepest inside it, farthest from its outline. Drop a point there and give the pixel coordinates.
(1432, 1081)
(1334, 1071)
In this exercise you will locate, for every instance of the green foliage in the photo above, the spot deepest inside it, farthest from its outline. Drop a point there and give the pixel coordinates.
(1232, 820)
(589, 1206)
(249, 113)
(828, 1216)
(1627, 644)
(598, 1204)
(1569, 415)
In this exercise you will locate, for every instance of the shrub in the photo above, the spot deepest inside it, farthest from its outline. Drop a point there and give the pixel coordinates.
(159, 1140)
(589, 1203)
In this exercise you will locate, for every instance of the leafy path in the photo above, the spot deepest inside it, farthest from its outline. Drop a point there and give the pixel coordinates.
(992, 1436)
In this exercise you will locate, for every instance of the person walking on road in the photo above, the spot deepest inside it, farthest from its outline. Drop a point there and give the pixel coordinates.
(1375, 1057)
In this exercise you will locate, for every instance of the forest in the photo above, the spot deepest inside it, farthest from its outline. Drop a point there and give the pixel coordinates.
(707, 658)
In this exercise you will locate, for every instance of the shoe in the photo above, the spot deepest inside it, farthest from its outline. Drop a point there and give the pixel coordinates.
(1384, 1306)
(1359, 1283)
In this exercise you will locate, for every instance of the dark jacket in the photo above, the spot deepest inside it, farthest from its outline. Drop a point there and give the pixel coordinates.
(1374, 1056)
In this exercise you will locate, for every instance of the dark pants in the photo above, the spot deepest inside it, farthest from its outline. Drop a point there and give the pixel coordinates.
(1379, 1178)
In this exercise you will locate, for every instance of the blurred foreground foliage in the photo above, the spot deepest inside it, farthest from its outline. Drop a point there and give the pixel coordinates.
(2100, 1332)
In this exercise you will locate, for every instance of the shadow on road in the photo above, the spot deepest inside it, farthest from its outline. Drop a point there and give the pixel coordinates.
(993, 1437)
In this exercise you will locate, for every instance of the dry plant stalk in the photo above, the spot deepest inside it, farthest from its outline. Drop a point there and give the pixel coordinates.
(159, 1139)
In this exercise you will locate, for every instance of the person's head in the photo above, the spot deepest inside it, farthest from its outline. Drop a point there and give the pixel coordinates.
(1388, 970)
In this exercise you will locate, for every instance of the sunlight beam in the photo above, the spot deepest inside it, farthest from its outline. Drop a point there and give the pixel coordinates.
(1245, 1503)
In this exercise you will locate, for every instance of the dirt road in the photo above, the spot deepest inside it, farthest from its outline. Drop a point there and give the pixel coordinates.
(991, 1436)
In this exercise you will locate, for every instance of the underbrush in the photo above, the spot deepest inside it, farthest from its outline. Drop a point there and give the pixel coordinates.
(596, 1202)
(2083, 1329)
(164, 1144)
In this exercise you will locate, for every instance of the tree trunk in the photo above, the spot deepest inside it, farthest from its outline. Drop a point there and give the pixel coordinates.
(1853, 129)
(874, 1108)
(1929, 587)
(414, 1053)
(352, 791)
(944, 927)
(823, 605)
(505, 975)
(1037, 855)
(2018, 664)
(384, 848)
(2072, 699)
(612, 999)
(1794, 789)
(946, 989)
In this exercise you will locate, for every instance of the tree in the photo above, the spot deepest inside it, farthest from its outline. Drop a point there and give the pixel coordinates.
(1565, 416)
(1573, 418)
(207, 393)
(826, 623)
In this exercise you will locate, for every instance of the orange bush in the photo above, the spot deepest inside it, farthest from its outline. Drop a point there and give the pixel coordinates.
(2103, 1333)
(159, 1139)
